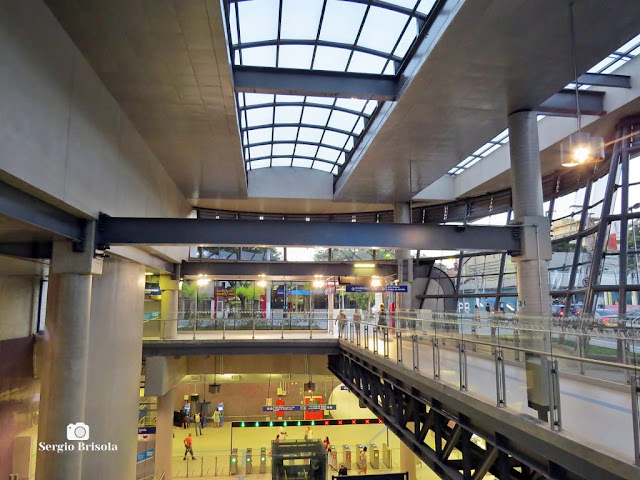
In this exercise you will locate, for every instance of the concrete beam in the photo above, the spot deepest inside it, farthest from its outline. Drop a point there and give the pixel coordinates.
(317, 83)
(180, 231)
(276, 346)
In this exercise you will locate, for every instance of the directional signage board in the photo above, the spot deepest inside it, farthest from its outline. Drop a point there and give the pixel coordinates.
(297, 408)
(387, 288)
(304, 423)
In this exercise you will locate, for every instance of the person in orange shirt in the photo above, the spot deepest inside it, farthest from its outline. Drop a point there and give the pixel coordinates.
(188, 447)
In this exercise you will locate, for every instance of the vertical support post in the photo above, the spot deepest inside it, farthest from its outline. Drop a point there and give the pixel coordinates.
(402, 214)
(169, 306)
(415, 352)
(399, 345)
(253, 327)
(375, 340)
(500, 378)
(635, 413)
(385, 341)
(366, 337)
(436, 358)
(555, 418)
(462, 358)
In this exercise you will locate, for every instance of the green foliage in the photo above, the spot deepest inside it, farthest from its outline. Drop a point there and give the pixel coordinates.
(361, 298)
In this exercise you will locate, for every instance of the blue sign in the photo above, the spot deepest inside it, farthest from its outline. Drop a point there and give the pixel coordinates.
(343, 387)
(146, 430)
(146, 455)
(152, 291)
(298, 408)
(387, 288)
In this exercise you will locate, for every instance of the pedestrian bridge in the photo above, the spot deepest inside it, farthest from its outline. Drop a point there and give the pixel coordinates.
(442, 384)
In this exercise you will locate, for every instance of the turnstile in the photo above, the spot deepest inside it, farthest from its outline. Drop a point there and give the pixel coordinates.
(358, 450)
(374, 456)
(233, 462)
(333, 458)
(346, 457)
(263, 460)
(386, 455)
(247, 461)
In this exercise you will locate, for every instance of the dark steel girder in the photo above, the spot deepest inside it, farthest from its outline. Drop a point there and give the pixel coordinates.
(605, 80)
(41, 250)
(302, 104)
(190, 231)
(290, 81)
(326, 269)
(522, 442)
(564, 103)
(18, 205)
(297, 125)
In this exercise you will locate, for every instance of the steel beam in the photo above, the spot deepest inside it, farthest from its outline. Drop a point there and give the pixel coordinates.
(564, 103)
(326, 269)
(605, 80)
(289, 81)
(27, 249)
(191, 231)
(18, 205)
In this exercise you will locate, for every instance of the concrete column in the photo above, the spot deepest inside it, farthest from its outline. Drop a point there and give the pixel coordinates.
(407, 461)
(164, 435)
(331, 313)
(113, 384)
(526, 187)
(402, 214)
(532, 263)
(64, 376)
(169, 307)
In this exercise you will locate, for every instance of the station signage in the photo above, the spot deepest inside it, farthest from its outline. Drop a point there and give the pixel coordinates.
(304, 423)
(298, 408)
(386, 288)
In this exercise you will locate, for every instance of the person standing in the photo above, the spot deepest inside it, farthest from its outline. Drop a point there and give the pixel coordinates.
(216, 418)
(198, 423)
(341, 321)
(283, 433)
(188, 447)
(187, 411)
(308, 435)
(342, 470)
(363, 461)
(382, 315)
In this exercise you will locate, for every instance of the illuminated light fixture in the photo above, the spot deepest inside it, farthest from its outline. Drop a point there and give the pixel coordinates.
(318, 283)
(375, 282)
(203, 281)
(180, 285)
(580, 148)
(364, 265)
(262, 283)
(148, 274)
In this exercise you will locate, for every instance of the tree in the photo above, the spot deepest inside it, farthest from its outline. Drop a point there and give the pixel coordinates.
(248, 292)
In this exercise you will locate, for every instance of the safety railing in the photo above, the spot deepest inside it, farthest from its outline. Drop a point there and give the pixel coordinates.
(583, 379)
(291, 324)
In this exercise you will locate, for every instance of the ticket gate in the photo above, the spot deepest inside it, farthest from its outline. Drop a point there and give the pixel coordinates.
(386, 455)
(346, 456)
(358, 450)
(374, 456)
(248, 467)
(263, 460)
(333, 458)
(233, 462)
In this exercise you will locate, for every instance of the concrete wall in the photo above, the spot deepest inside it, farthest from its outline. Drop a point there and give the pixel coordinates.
(254, 364)
(290, 183)
(16, 305)
(62, 135)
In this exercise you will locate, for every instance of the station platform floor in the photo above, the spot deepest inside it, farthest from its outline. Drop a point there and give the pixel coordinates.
(212, 448)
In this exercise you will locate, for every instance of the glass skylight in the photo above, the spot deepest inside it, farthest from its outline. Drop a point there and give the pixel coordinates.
(348, 36)
(609, 64)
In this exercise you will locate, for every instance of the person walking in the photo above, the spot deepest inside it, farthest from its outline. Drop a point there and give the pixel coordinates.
(308, 435)
(188, 447)
(363, 461)
(185, 421)
(382, 315)
(198, 424)
(341, 321)
(283, 433)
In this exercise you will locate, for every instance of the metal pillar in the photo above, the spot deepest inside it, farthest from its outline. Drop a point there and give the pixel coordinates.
(532, 262)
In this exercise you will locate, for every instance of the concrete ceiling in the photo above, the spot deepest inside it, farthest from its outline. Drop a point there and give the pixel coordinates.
(166, 64)
(496, 57)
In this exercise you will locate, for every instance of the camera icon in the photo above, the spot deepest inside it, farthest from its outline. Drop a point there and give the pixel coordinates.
(78, 431)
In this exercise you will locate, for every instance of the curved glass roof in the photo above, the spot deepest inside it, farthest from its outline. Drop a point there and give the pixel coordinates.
(348, 36)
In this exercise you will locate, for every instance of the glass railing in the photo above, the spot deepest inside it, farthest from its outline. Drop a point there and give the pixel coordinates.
(587, 372)
(240, 325)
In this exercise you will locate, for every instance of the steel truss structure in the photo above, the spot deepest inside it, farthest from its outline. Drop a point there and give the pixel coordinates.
(454, 440)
